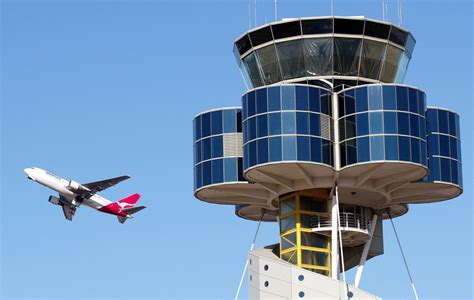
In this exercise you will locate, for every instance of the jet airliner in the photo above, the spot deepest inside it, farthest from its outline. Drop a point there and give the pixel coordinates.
(73, 194)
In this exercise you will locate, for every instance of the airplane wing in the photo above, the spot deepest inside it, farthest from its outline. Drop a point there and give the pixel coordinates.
(104, 184)
(69, 211)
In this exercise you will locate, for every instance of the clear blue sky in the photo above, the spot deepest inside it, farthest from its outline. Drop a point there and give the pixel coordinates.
(96, 89)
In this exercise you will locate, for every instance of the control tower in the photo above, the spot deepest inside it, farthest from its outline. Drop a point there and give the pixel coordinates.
(329, 143)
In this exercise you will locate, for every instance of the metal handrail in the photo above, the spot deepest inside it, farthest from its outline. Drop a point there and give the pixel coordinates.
(348, 220)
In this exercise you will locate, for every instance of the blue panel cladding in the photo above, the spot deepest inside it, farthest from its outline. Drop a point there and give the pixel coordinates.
(291, 122)
(216, 157)
(444, 146)
(380, 122)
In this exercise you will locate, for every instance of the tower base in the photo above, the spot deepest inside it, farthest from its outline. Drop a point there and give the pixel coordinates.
(272, 278)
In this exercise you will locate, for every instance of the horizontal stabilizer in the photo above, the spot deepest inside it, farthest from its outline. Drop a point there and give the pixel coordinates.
(133, 210)
(122, 219)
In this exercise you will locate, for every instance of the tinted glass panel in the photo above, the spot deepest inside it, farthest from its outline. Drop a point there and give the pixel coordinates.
(390, 122)
(230, 169)
(453, 147)
(251, 128)
(346, 56)
(206, 148)
(317, 26)
(348, 26)
(376, 122)
(303, 148)
(288, 29)
(252, 153)
(206, 173)
(250, 64)
(326, 104)
(291, 59)
(315, 150)
(391, 148)
(230, 121)
(301, 97)
(415, 150)
(261, 36)
(398, 36)
(251, 104)
(349, 104)
(217, 147)
(404, 148)
(315, 124)
(363, 149)
(216, 117)
(274, 121)
(403, 123)
(377, 30)
(433, 144)
(410, 45)
(443, 121)
(351, 149)
(262, 146)
(318, 56)
(274, 98)
(289, 122)
(288, 97)
(452, 124)
(402, 98)
(275, 149)
(314, 104)
(217, 171)
(206, 124)
(197, 131)
(289, 148)
(454, 172)
(376, 148)
(389, 98)
(350, 127)
(362, 121)
(445, 170)
(372, 57)
(269, 64)
(413, 100)
(243, 44)
(375, 97)
(402, 68)
(261, 101)
(362, 99)
(414, 125)
(327, 152)
(262, 126)
(302, 123)
(435, 169)
(392, 57)
(444, 145)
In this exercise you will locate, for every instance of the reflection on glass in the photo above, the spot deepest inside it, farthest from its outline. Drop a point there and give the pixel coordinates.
(268, 62)
(291, 59)
(376, 148)
(250, 64)
(346, 56)
(230, 169)
(371, 61)
(289, 148)
(318, 56)
(392, 57)
(287, 223)
(402, 68)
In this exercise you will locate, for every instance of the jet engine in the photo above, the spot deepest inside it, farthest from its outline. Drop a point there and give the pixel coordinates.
(54, 200)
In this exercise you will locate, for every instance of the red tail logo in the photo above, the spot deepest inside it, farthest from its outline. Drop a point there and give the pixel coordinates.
(128, 202)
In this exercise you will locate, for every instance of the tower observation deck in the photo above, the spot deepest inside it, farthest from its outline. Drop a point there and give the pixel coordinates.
(328, 142)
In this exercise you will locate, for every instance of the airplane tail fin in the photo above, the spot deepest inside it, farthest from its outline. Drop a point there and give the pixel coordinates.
(128, 202)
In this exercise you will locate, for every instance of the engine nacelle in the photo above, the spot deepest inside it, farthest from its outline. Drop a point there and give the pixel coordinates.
(54, 200)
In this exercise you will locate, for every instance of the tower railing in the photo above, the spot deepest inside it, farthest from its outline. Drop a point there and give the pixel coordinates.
(348, 220)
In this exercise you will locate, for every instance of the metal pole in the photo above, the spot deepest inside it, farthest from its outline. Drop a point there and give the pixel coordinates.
(363, 258)
(334, 247)
(276, 10)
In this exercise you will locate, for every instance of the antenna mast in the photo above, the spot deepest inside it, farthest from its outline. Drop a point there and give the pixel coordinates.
(276, 10)
(332, 8)
(383, 10)
(255, 10)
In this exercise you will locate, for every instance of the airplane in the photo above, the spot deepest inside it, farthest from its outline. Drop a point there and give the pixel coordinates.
(72, 194)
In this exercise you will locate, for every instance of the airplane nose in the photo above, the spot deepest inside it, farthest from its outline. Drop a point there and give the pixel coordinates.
(28, 173)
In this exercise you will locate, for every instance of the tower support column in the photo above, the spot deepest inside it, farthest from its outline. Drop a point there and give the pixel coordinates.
(334, 243)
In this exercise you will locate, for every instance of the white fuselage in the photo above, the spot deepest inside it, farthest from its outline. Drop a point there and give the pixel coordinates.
(63, 187)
